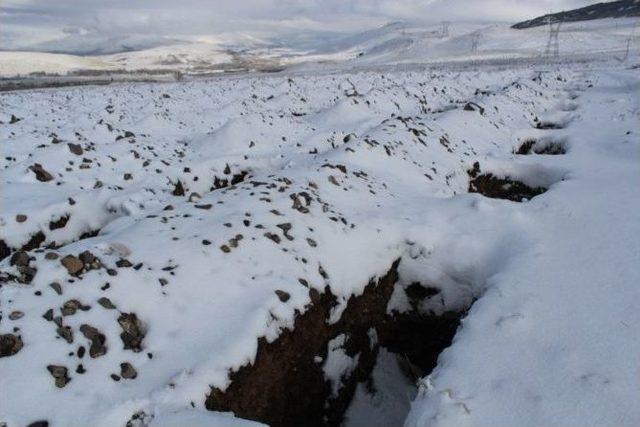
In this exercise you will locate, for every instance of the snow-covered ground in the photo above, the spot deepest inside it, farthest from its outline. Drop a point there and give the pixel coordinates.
(166, 228)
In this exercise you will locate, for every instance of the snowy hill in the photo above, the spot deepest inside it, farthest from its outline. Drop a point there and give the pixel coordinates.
(612, 9)
(398, 42)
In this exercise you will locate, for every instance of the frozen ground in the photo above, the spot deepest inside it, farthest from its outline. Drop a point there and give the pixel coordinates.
(152, 233)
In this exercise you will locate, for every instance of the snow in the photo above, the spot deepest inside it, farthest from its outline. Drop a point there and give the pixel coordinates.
(394, 43)
(553, 340)
(338, 364)
(345, 173)
(389, 401)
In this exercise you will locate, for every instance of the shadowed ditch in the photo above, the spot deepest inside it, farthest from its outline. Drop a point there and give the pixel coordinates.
(287, 384)
(534, 146)
(496, 187)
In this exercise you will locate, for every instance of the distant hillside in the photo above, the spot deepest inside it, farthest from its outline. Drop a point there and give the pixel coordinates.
(614, 9)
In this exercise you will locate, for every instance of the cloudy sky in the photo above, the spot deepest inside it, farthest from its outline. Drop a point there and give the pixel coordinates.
(33, 24)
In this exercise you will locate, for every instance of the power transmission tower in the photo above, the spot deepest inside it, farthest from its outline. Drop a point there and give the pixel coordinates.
(475, 42)
(626, 52)
(553, 44)
(445, 29)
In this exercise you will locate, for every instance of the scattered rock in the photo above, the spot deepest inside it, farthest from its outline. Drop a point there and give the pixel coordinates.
(87, 258)
(123, 263)
(48, 315)
(178, 189)
(75, 149)
(282, 295)
(66, 333)
(60, 375)
(133, 331)
(10, 344)
(16, 314)
(127, 371)
(272, 236)
(285, 227)
(56, 287)
(72, 264)
(69, 308)
(106, 303)
(98, 347)
(472, 106)
(20, 259)
(41, 174)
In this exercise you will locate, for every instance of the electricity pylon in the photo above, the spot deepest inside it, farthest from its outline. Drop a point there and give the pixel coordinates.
(553, 44)
(475, 42)
(445, 29)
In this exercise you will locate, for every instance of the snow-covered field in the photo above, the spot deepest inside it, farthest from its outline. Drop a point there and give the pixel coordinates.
(156, 237)
(398, 42)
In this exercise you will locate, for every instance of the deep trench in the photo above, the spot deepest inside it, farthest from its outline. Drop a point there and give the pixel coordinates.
(286, 384)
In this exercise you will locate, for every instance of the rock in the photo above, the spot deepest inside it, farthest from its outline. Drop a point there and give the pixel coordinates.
(72, 264)
(206, 206)
(70, 307)
(14, 119)
(272, 236)
(225, 249)
(127, 176)
(21, 218)
(106, 303)
(39, 423)
(285, 227)
(56, 287)
(133, 331)
(178, 189)
(60, 375)
(472, 106)
(127, 371)
(51, 256)
(20, 259)
(41, 174)
(66, 333)
(282, 295)
(87, 258)
(194, 197)
(123, 263)
(98, 347)
(48, 315)
(10, 344)
(15, 315)
(115, 377)
(75, 149)
(129, 134)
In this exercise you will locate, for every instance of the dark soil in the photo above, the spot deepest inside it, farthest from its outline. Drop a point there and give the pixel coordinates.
(531, 146)
(285, 386)
(495, 187)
